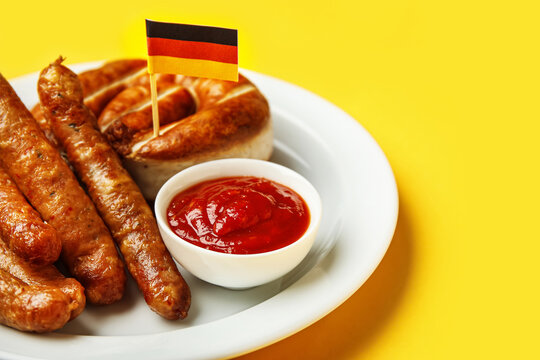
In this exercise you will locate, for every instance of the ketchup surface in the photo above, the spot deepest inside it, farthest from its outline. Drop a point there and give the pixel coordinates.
(239, 215)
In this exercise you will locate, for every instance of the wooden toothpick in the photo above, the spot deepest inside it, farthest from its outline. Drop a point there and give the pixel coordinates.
(153, 94)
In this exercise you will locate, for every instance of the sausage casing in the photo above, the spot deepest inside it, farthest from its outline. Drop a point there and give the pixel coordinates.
(43, 275)
(31, 307)
(130, 112)
(49, 185)
(100, 86)
(22, 227)
(117, 197)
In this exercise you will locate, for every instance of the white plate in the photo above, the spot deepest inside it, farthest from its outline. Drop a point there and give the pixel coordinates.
(360, 206)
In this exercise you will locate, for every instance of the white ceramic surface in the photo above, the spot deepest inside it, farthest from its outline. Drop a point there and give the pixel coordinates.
(360, 202)
(237, 271)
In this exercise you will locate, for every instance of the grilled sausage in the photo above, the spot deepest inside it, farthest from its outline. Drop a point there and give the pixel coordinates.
(131, 111)
(117, 197)
(44, 125)
(49, 185)
(232, 119)
(30, 307)
(45, 276)
(22, 228)
(100, 86)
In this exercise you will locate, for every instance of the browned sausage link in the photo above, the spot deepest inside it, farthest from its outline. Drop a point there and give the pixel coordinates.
(133, 106)
(22, 227)
(44, 125)
(122, 104)
(99, 87)
(116, 196)
(46, 275)
(110, 72)
(102, 84)
(131, 111)
(210, 91)
(174, 104)
(49, 185)
(217, 126)
(31, 307)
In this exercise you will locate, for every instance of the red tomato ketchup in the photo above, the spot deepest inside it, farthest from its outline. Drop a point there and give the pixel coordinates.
(239, 215)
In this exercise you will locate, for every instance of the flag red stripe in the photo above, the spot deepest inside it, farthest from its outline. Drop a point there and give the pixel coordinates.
(193, 50)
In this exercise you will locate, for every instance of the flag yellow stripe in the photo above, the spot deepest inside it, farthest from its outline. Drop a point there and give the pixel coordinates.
(192, 67)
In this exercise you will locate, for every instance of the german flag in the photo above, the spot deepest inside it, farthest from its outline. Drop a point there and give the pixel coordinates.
(193, 50)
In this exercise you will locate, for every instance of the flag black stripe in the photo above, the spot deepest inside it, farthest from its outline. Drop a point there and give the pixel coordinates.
(209, 34)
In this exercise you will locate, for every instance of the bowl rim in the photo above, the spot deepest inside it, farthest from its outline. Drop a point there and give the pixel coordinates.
(314, 203)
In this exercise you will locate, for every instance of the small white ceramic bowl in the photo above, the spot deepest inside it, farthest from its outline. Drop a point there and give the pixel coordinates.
(237, 271)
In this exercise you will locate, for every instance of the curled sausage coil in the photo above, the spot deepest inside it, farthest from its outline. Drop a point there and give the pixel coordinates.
(200, 120)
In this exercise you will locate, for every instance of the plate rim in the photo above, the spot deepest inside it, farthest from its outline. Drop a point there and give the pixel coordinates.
(230, 350)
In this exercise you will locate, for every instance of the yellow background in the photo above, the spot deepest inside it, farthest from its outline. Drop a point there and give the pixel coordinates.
(450, 90)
